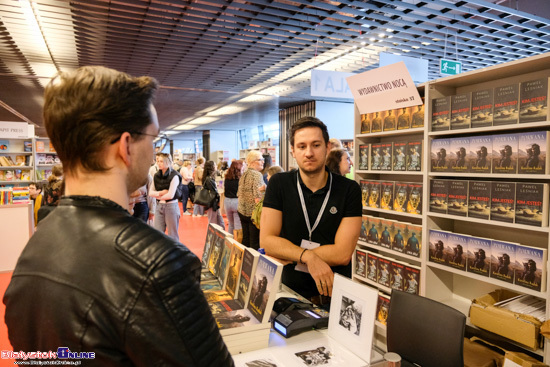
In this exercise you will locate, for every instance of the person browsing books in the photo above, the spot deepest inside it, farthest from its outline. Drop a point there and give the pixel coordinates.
(95, 280)
(311, 217)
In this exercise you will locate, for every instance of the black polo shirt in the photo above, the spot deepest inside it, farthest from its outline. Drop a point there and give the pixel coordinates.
(344, 201)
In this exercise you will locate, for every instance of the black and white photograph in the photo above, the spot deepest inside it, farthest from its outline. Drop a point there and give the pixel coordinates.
(315, 357)
(264, 362)
(350, 315)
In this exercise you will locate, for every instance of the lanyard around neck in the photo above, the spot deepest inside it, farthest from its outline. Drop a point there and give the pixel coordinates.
(304, 209)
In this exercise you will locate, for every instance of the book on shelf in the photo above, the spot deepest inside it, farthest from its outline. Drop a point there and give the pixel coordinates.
(458, 154)
(377, 122)
(390, 121)
(411, 276)
(20, 160)
(398, 237)
(224, 261)
(482, 108)
(386, 227)
(503, 198)
(365, 225)
(364, 185)
(480, 154)
(396, 275)
(384, 268)
(401, 197)
(9, 175)
(503, 258)
(383, 308)
(418, 116)
(364, 150)
(438, 155)
(413, 239)
(531, 204)
(533, 101)
(386, 156)
(479, 199)
(414, 204)
(505, 153)
(404, 118)
(530, 269)
(505, 110)
(459, 245)
(215, 257)
(376, 156)
(414, 155)
(399, 157)
(234, 269)
(248, 269)
(438, 243)
(439, 193)
(533, 150)
(372, 266)
(27, 146)
(365, 123)
(441, 114)
(360, 267)
(374, 194)
(4, 145)
(461, 105)
(386, 198)
(479, 255)
(39, 146)
(373, 234)
(4, 161)
(458, 198)
(10, 160)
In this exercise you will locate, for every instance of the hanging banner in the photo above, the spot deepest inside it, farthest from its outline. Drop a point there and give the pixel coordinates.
(14, 130)
(385, 88)
(326, 83)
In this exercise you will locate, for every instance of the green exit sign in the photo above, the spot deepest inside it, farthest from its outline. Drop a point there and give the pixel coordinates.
(450, 67)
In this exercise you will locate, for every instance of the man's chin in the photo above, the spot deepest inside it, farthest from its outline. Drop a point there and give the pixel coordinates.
(312, 170)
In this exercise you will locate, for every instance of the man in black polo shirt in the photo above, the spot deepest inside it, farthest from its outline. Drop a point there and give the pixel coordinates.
(310, 217)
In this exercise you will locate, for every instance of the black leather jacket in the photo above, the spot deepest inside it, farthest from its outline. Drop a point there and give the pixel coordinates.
(95, 279)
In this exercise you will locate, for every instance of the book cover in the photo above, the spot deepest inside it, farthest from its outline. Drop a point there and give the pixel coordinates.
(441, 114)
(372, 266)
(414, 155)
(396, 276)
(439, 193)
(411, 276)
(377, 121)
(503, 198)
(383, 308)
(531, 204)
(4, 145)
(530, 269)
(210, 235)
(458, 154)
(480, 153)
(479, 255)
(384, 268)
(398, 239)
(374, 194)
(373, 234)
(216, 295)
(482, 108)
(438, 242)
(505, 110)
(413, 239)
(27, 146)
(399, 157)
(224, 306)
(234, 271)
(404, 118)
(215, 258)
(365, 123)
(459, 246)
(461, 105)
(418, 116)
(505, 153)
(401, 197)
(390, 121)
(364, 156)
(365, 191)
(39, 146)
(224, 261)
(386, 232)
(211, 285)
(438, 155)
(479, 199)
(533, 105)
(241, 319)
(458, 198)
(264, 288)
(386, 156)
(365, 225)
(248, 269)
(503, 257)
(533, 152)
(386, 200)
(414, 204)
(376, 156)
(360, 268)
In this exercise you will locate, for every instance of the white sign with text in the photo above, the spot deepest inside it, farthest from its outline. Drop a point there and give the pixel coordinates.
(384, 88)
(14, 130)
(326, 83)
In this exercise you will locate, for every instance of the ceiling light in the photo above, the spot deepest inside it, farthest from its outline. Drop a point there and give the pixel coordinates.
(389, 30)
(372, 39)
(415, 47)
(363, 43)
(186, 127)
(426, 43)
(381, 35)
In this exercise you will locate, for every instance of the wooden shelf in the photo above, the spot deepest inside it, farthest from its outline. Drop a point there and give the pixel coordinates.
(389, 251)
(392, 212)
(490, 222)
(19, 153)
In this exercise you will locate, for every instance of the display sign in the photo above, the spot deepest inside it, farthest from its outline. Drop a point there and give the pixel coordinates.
(325, 83)
(385, 88)
(14, 130)
(418, 68)
(450, 67)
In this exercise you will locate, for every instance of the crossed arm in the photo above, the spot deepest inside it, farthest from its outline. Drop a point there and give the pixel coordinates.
(318, 260)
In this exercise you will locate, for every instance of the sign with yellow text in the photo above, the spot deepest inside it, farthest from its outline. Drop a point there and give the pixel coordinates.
(385, 88)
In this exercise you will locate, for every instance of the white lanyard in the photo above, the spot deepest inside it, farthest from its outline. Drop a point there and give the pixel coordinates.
(310, 230)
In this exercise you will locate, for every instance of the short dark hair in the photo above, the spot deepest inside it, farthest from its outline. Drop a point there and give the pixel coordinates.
(308, 121)
(85, 109)
(333, 160)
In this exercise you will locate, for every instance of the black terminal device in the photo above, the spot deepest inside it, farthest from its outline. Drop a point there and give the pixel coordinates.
(296, 317)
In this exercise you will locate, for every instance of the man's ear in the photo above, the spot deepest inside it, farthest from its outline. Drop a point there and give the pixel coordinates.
(292, 151)
(124, 148)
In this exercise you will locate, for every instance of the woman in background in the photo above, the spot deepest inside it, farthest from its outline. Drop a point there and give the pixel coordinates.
(197, 178)
(231, 202)
(54, 188)
(164, 187)
(339, 161)
(209, 183)
(186, 176)
(267, 163)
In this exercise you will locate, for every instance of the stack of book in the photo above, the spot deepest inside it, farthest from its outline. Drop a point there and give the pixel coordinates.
(391, 156)
(403, 197)
(390, 120)
(240, 285)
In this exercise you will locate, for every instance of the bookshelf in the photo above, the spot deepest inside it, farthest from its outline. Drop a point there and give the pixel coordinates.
(16, 161)
(455, 287)
(45, 159)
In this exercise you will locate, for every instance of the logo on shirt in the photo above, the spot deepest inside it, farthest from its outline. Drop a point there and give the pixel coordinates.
(333, 210)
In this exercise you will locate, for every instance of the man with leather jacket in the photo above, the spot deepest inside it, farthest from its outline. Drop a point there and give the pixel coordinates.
(93, 282)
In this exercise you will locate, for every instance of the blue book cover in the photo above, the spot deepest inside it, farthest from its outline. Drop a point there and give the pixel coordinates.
(264, 288)
(459, 246)
(479, 256)
(503, 258)
(530, 269)
(438, 244)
